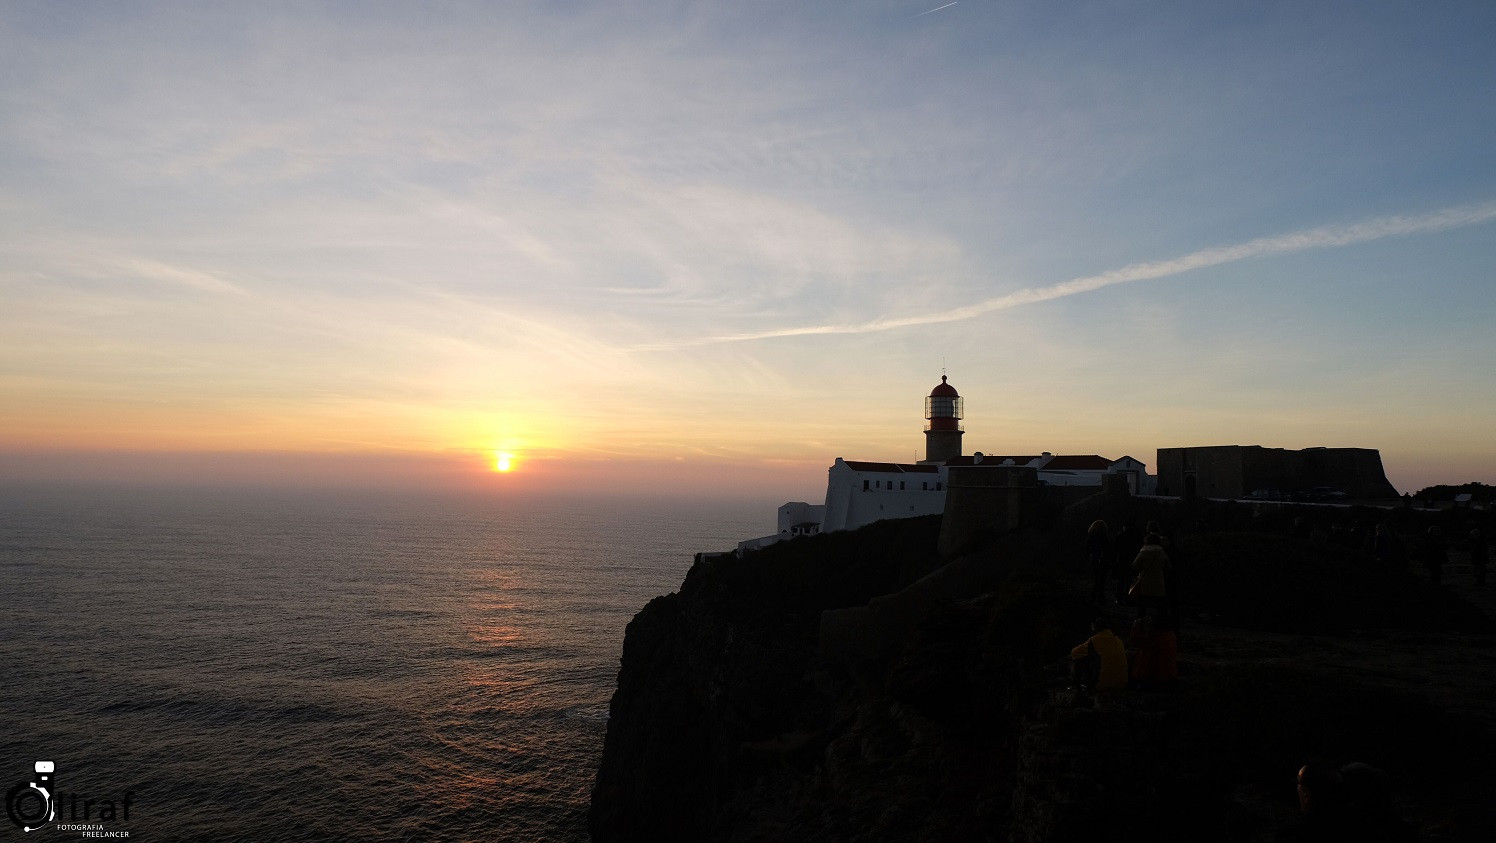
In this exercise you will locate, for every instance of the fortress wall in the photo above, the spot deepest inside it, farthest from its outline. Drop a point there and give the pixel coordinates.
(1270, 468)
(982, 500)
(1356, 471)
(867, 507)
(1233, 471)
(1219, 472)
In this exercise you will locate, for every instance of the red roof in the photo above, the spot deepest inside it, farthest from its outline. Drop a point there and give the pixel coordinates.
(1064, 462)
(1077, 462)
(892, 467)
(944, 390)
(991, 459)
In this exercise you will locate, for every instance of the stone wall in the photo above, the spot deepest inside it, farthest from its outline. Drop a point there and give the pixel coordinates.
(1234, 471)
(982, 501)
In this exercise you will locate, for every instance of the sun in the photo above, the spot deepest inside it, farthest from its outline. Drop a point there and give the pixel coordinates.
(503, 461)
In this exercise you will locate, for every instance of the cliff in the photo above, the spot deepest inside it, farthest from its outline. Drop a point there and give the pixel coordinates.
(855, 686)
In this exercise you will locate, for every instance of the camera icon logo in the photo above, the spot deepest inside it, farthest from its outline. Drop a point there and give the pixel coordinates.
(33, 804)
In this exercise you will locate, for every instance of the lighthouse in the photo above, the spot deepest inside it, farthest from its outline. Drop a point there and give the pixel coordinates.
(942, 423)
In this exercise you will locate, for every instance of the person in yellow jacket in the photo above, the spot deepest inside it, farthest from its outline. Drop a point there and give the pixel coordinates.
(1100, 662)
(1152, 566)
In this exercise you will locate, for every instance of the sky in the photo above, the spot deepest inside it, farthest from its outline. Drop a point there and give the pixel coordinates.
(706, 248)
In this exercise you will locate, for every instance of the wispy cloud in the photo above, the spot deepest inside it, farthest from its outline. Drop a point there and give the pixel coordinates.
(1323, 237)
(934, 10)
(179, 275)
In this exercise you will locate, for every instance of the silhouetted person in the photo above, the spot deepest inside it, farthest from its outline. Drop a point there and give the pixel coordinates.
(1125, 547)
(1099, 554)
(1435, 554)
(1301, 528)
(1173, 573)
(1154, 528)
(1478, 551)
(1349, 803)
(1318, 537)
(1151, 564)
(1100, 662)
(1388, 550)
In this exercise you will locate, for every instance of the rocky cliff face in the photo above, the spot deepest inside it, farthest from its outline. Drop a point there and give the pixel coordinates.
(851, 686)
(719, 699)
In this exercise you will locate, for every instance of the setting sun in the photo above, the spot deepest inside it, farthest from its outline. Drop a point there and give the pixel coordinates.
(503, 461)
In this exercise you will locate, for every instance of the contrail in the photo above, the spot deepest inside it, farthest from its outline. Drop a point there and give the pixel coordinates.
(934, 10)
(1324, 237)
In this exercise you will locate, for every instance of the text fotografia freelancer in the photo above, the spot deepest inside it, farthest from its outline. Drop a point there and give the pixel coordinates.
(94, 830)
(33, 804)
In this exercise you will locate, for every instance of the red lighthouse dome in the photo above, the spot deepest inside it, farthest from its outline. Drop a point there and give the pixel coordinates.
(943, 407)
(943, 413)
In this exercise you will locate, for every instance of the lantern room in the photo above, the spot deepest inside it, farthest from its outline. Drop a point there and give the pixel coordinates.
(943, 413)
(943, 409)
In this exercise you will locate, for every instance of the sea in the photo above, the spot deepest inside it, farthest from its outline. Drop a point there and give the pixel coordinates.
(245, 665)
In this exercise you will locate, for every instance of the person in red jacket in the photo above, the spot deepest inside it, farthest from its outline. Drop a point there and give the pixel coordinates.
(1156, 652)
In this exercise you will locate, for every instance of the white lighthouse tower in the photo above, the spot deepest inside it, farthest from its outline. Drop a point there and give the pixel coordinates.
(943, 412)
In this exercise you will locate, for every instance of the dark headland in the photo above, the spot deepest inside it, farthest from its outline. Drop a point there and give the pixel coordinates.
(857, 686)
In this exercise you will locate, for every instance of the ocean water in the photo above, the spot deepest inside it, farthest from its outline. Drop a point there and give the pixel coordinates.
(304, 666)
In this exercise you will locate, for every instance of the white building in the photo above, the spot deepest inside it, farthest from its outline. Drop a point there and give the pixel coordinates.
(859, 493)
(796, 518)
